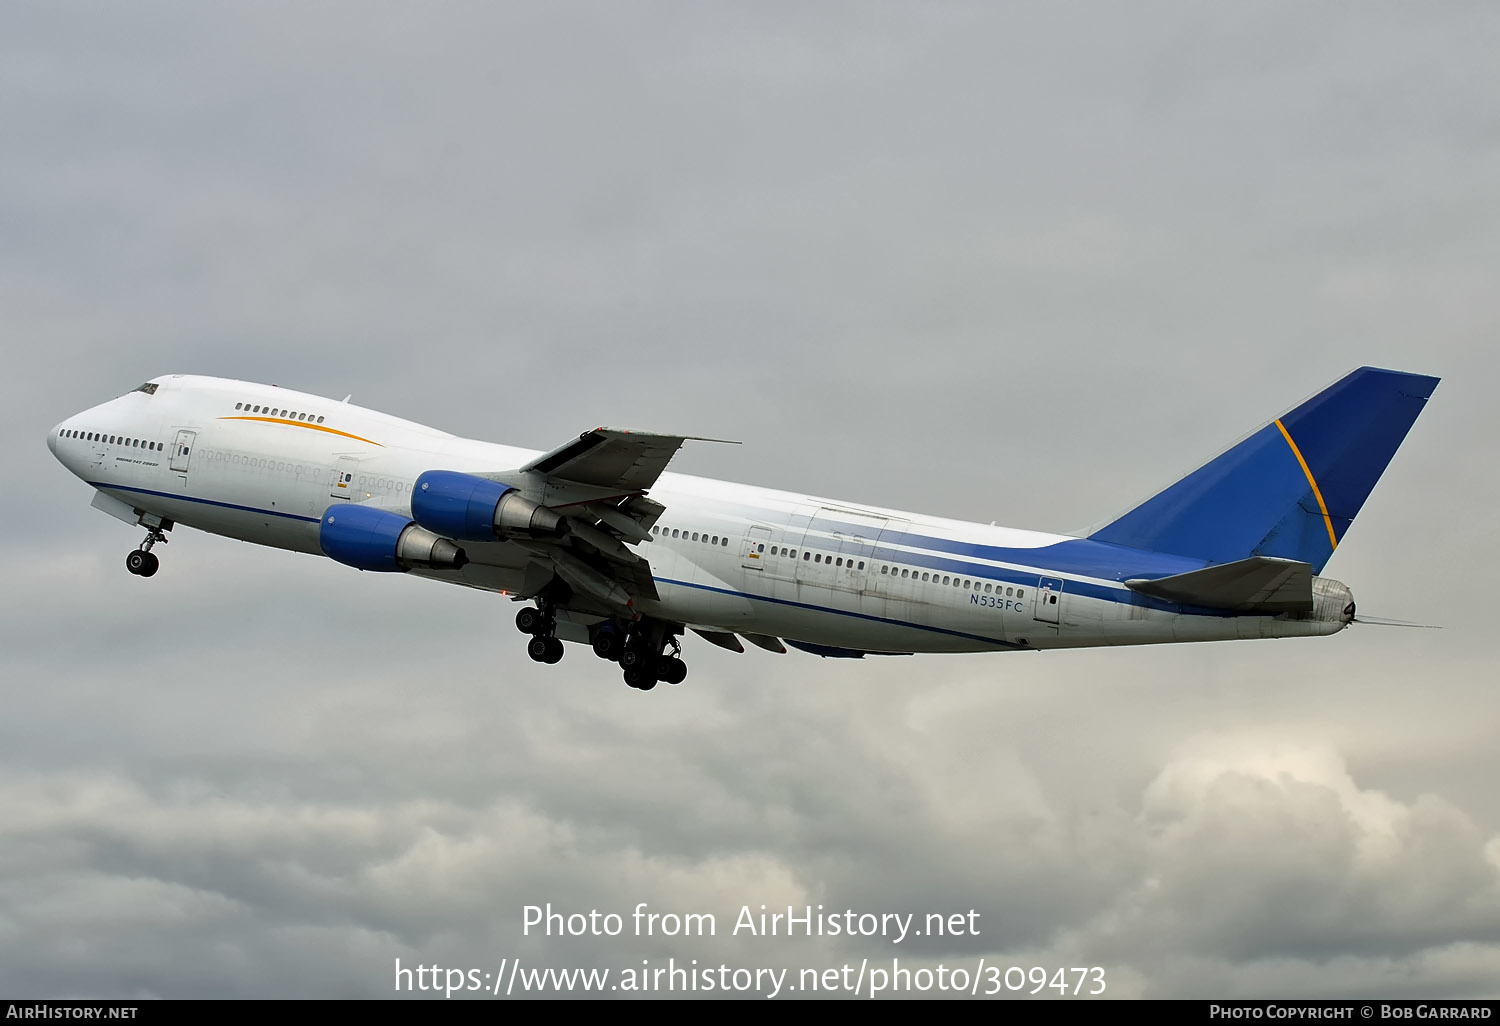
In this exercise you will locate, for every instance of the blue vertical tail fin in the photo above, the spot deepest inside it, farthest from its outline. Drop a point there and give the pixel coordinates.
(1292, 488)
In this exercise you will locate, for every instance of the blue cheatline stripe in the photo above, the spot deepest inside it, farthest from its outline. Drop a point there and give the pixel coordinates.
(1004, 575)
(1082, 556)
(1026, 578)
(841, 612)
(102, 486)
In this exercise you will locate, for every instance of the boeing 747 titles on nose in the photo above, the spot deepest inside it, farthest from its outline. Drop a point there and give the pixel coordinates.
(609, 551)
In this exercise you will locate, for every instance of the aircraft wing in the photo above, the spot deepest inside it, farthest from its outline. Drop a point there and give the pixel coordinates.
(598, 482)
(612, 458)
(1260, 584)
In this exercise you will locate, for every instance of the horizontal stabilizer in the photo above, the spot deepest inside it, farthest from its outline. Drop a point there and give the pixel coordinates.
(1260, 584)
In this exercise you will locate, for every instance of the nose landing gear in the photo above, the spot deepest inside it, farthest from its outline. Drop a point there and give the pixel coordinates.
(142, 561)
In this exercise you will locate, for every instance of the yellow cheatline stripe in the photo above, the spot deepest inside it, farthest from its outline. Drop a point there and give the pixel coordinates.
(300, 424)
(1317, 493)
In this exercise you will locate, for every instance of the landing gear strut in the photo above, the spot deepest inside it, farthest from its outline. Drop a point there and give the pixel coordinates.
(540, 622)
(142, 561)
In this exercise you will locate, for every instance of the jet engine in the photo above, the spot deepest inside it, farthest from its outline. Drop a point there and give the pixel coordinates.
(375, 539)
(474, 508)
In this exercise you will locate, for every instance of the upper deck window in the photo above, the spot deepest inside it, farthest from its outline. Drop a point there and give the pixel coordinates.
(149, 388)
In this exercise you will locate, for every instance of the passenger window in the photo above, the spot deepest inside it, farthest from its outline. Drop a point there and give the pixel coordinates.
(945, 579)
(760, 548)
(1020, 593)
(986, 589)
(675, 532)
(320, 420)
(925, 576)
(884, 570)
(818, 558)
(794, 553)
(861, 564)
(841, 561)
(806, 556)
(238, 405)
(715, 541)
(724, 543)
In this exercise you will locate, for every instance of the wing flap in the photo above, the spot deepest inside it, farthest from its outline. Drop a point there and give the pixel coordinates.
(1260, 584)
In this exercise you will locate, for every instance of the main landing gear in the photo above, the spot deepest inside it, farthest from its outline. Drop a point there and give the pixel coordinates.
(640, 651)
(142, 561)
(541, 623)
(641, 648)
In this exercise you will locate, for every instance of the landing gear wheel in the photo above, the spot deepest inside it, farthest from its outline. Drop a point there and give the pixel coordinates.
(672, 671)
(607, 646)
(540, 648)
(554, 651)
(530, 620)
(638, 678)
(632, 657)
(142, 563)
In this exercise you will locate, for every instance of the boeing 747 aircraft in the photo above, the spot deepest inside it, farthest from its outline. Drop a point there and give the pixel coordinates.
(610, 551)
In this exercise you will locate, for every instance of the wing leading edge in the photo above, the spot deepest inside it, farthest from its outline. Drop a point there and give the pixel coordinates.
(598, 482)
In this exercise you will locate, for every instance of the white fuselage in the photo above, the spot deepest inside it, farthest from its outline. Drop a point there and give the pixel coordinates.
(724, 556)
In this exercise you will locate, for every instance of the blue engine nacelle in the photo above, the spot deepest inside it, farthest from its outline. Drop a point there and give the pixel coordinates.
(474, 508)
(375, 539)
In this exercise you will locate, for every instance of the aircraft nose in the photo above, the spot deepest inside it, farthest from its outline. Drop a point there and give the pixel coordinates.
(52, 438)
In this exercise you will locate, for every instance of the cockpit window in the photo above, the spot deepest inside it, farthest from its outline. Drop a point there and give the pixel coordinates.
(149, 388)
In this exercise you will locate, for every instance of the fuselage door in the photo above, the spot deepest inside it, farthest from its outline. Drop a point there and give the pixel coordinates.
(1046, 602)
(182, 451)
(757, 542)
(341, 484)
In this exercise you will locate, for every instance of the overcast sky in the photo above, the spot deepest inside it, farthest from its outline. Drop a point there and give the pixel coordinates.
(1014, 262)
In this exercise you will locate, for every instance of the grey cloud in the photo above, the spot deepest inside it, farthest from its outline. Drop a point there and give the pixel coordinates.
(1023, 264)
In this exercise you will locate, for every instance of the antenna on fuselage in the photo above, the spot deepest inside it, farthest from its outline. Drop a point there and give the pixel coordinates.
(347, 397)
